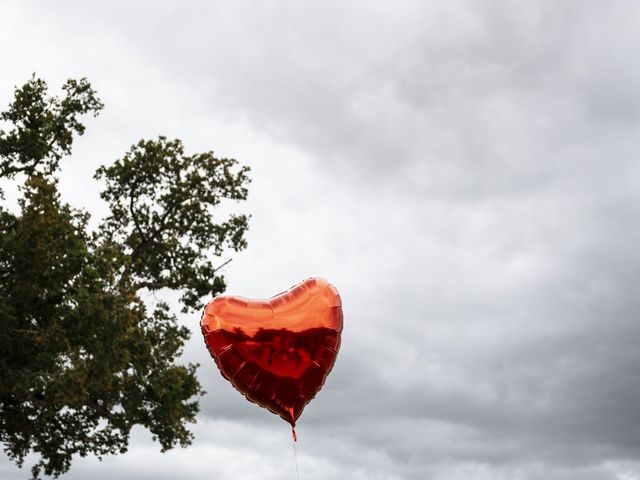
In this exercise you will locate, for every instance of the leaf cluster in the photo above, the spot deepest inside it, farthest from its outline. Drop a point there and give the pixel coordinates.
(162, 220)
(43, 126)
(83, 357)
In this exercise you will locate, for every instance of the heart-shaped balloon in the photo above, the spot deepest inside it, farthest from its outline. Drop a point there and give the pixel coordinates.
(276, 352)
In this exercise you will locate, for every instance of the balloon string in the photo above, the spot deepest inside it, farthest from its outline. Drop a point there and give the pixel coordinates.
(295, 453)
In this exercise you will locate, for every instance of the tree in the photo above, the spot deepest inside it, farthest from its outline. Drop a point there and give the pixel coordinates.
(83, 357)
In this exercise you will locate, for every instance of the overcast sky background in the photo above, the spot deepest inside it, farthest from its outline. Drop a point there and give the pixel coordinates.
(466, 174)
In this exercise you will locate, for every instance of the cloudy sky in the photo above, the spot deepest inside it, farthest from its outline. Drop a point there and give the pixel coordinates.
(466, 174)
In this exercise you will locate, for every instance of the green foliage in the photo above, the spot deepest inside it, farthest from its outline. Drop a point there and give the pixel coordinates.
(162, 216)
(43, 126)
(83, 358)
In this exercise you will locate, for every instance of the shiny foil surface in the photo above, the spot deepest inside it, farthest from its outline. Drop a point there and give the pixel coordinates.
(276, 352)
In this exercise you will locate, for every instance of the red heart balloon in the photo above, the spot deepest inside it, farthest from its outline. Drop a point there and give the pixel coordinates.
(276, 352)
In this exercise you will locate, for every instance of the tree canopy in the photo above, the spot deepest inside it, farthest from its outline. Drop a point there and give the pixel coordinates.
(83, 357)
